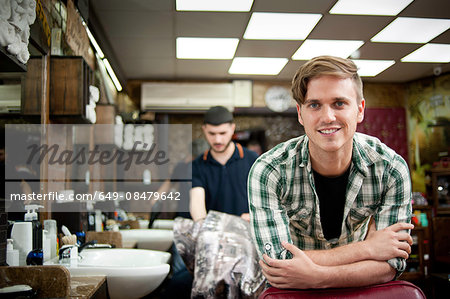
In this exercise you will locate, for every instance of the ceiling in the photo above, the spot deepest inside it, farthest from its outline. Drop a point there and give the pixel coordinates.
(138, 37)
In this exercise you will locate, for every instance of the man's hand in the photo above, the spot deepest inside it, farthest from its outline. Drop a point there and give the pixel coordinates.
(300, 272)
(245, 216)
(389, 242)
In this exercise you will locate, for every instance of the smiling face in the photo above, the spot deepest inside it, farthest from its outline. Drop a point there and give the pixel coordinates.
(219, 137)
(330, 114)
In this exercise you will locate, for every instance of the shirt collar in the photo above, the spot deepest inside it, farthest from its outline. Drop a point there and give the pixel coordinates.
(234, 156)
(361, 158)
(304, 153)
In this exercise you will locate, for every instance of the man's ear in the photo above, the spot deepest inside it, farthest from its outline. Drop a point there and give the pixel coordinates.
(361, 107)
(299, 114)
(233, 126)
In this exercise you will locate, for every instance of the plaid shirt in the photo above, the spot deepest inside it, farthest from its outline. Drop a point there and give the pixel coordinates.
(284, 205)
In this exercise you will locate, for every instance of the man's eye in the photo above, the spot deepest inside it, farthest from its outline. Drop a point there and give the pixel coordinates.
(313, 105)
(340, 104)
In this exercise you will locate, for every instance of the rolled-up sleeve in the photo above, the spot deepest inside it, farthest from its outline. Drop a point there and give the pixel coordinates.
(269, 222)
(396, 203)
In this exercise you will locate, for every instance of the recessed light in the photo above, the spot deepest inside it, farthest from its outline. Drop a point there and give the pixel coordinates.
(412, 30)
(371, 68)
(439, 53)
(315, 47)
(210, 5)
(257, 65)
(369, 7)
(280, 26)
(206, 48)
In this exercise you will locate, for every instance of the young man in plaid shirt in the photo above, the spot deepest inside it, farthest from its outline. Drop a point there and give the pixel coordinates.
(330, 208)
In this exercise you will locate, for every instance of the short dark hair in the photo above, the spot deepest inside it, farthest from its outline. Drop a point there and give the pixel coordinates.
(218, 115)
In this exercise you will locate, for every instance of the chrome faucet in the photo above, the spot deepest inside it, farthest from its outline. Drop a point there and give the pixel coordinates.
(66, 250)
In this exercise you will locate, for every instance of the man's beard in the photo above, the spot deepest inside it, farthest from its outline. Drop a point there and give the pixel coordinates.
(219, 152)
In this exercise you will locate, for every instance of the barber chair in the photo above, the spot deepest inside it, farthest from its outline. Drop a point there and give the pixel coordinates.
(391, 290)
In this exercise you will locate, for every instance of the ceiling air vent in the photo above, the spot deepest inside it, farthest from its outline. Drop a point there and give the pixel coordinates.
(195, 96)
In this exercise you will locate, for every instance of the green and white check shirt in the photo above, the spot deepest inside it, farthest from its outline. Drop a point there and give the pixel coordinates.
(284, 205)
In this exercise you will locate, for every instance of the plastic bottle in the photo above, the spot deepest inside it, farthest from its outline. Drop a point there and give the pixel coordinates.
(32, 216)
(12, 255)
(51, 227)
(423, 219)
(22, 234)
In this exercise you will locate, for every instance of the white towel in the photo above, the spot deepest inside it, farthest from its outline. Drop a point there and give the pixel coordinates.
(94, 93)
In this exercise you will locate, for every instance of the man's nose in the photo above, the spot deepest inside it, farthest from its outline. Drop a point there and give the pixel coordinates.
(328, 114)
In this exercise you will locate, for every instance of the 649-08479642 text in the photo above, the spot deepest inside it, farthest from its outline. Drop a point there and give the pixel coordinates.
(98, 195)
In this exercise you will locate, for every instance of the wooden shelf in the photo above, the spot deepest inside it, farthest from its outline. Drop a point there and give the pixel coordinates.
(70, 77)
(9, 63)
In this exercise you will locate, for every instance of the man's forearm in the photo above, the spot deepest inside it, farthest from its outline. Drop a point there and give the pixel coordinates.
(197, 210)
(382, 245)
(343, 255)
(197, 206)
(301, 272)
(357, 274)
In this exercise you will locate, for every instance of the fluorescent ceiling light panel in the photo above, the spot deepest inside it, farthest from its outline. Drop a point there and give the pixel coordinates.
(439, 53)
(371, 68)
(412, 30)
(214, 5)
(112, 75)
(257, 65)
(315, 47)
(369, 7)
(280, 26)
(206, 48)
(94, 42)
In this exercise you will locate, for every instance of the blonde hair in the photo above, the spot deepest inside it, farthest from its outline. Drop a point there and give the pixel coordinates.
(325, 65)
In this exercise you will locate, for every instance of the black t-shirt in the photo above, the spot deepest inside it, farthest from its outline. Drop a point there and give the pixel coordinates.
(225, 185)
(331, 192)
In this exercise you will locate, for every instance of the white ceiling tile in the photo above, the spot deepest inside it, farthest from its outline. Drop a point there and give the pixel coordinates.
(266, 48)
(306, 6)
(149, 68)
(133, 5)
(141, 48)
(137, 24)
(202, 69)
(210, 24)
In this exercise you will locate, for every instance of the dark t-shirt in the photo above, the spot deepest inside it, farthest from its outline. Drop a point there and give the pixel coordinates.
(225, 185)
(331, 192)
(181, 174)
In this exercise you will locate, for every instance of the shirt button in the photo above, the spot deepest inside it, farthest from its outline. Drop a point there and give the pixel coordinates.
(367, 213)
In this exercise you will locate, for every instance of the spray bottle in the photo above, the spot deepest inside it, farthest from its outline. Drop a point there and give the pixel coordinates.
(35, 257)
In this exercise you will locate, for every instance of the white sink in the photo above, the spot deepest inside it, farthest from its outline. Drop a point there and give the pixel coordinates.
(163, 224)
(158, 223)
(130, 273)
(154, 239)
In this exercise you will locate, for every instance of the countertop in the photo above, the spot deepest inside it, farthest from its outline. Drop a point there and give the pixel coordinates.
(85, 286)
(54, 281)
